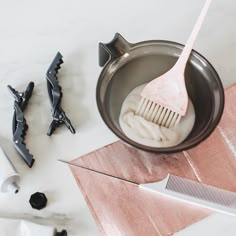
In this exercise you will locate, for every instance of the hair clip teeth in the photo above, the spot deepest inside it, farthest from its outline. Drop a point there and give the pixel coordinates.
(19, 126)
(55, 95)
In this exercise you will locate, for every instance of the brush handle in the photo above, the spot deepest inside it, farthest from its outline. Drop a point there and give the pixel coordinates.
(183, 59)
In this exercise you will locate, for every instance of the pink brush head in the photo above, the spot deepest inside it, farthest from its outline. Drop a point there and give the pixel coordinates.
(168, 92)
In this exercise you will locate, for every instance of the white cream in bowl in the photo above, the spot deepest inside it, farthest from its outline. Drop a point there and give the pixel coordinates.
(147, 133)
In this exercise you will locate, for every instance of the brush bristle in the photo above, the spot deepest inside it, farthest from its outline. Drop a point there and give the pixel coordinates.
(157, 114)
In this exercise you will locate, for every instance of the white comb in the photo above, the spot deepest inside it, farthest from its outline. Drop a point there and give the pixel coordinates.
(165, 99)
(195, 193)
(185, 190)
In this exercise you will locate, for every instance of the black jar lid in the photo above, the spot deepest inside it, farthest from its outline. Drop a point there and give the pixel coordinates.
(38, 200)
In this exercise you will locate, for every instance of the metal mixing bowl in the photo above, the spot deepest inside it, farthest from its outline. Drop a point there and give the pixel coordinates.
(127, 66)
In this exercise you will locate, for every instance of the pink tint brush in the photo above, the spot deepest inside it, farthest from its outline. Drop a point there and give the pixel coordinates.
(165, 99)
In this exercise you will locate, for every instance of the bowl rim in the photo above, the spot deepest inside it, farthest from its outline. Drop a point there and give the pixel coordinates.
(163, 150)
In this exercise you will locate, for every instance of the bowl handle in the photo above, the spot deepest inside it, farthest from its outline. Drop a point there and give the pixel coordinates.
(116, 48)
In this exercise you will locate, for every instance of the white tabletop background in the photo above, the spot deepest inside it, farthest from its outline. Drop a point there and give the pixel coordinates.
(31, 33)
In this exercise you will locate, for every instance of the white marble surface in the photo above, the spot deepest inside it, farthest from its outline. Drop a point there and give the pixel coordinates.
(31, 34)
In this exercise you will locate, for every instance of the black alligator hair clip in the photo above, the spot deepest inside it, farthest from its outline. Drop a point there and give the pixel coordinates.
(55, 95)
(19, 126)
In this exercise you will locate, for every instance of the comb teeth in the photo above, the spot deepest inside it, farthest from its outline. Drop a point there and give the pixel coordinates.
(195, 193)
(157, 114)
(201, 191)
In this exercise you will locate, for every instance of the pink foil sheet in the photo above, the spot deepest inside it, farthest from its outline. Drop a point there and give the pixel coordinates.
(121, 208)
